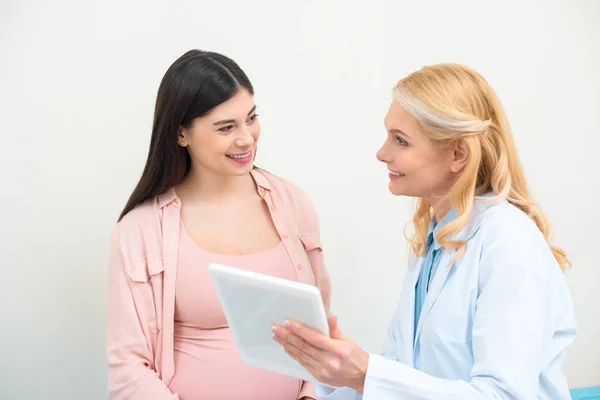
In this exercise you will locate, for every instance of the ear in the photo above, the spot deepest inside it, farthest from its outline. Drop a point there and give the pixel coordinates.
(460, 154)
(182, 135)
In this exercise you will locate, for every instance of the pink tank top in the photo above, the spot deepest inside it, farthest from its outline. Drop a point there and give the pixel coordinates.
(207, 362)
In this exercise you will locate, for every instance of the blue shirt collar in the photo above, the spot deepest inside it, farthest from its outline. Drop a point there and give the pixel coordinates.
(434, 227)
(470, 228)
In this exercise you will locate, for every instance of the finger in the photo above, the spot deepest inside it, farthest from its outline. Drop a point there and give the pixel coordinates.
(333, 328)
(302, 357)
(314, 338)
(279, 331)
(306, 361)
(305, 347)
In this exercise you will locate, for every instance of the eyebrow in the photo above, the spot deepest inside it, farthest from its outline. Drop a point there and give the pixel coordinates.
(231, 121)
(398, 131)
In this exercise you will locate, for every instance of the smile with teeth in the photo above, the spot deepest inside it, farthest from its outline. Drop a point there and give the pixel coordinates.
(239, 156)
(396, 173)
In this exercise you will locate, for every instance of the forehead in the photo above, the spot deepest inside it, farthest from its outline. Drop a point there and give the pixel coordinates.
(237, 106)
(398, 117)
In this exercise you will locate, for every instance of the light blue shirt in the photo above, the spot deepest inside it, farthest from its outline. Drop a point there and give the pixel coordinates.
(494, 325)
(431, 262)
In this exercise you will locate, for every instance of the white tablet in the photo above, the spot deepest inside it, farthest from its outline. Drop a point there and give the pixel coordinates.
(254, 302)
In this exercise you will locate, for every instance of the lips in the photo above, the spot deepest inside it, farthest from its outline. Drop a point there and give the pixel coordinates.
(239, 156)
(396, 173)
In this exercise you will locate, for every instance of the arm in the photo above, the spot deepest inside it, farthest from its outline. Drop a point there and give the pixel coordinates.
(130, 375)
(303, 216)
(308, 391)
(322, 281)
(508, 333)
(310, 234)
(389, 352)
(314, 251)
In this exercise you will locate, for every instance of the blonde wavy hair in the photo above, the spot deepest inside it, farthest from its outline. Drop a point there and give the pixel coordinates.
(453, 102)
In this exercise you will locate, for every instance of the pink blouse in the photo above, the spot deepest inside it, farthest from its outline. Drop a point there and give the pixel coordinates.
(207, 362)
(143, 276)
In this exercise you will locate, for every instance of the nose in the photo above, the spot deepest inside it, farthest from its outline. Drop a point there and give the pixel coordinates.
(245, 139)
(382, 155)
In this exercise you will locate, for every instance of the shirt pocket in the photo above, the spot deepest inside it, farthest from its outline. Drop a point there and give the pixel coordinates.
(147, 286)
(313, 256)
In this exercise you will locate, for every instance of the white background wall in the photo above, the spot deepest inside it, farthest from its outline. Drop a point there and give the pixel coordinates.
(78, 81)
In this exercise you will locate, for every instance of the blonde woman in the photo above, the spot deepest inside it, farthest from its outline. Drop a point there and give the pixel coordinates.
(485, 312)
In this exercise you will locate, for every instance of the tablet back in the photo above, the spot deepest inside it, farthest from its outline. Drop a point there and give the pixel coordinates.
(253, 303)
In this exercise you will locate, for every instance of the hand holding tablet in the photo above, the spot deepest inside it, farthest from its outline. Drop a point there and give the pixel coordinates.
(253, 303)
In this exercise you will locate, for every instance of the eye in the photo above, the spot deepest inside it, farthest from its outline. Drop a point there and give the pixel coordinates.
(401, 141)
(253, 118)
(226, 128)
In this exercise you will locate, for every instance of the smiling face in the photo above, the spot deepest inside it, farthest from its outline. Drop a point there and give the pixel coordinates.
(417, 167)
(224, 140)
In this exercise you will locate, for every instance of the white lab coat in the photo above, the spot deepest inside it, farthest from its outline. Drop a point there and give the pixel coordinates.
(494, 325)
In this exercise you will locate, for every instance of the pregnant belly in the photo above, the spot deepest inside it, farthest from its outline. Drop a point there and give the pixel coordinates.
(208, 367)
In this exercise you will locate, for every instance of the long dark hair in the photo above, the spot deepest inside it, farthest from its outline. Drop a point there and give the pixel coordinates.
(193, 85)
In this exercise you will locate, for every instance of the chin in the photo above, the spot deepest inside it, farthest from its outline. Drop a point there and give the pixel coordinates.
(395, 190)
(243, 170)
(399, 193)
(401, 190)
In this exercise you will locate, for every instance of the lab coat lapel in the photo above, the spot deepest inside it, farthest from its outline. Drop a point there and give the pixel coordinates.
(407, 323)
(437, 284)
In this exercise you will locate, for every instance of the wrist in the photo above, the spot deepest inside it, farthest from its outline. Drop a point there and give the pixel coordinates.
(359, 384)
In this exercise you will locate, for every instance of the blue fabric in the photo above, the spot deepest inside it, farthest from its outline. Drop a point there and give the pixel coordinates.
(496, 323)
(430, 265)
(586, 393)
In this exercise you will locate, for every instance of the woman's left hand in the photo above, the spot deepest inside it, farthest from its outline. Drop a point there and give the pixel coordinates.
(335, 360)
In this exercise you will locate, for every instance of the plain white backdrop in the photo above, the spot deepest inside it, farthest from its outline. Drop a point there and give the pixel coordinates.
(78, 81)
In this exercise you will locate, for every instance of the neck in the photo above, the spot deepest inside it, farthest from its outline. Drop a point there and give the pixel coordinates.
(207, 185)
(440, 207)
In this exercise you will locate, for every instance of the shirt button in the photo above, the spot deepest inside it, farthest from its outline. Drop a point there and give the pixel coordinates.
(299, 266)
(261, 191)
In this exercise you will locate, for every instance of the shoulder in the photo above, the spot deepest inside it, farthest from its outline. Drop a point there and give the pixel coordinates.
(511, 241)
(137, 227)
(289, 193)
(297, 205)
(140, 215)
(505, 222)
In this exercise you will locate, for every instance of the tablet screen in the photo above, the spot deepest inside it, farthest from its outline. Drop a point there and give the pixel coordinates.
(253, 303)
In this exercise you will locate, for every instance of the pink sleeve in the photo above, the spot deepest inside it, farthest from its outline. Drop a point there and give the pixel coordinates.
(315, 256)
(308, 390)
(130, 375)
(310, 234)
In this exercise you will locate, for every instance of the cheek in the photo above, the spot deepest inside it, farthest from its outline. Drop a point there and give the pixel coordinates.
(422, 166)
(408, 161)
(434, 171)
(256, 130)
(212, 145)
